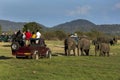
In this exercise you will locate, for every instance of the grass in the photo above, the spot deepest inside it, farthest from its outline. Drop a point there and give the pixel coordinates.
(60, 67)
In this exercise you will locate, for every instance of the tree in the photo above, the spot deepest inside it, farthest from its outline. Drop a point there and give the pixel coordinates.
(94, 33)
(32, 26)
(0, 29)
(55, 35)
(60, 34)
(49, 35)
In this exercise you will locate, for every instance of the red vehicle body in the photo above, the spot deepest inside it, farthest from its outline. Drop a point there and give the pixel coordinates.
(32, 51)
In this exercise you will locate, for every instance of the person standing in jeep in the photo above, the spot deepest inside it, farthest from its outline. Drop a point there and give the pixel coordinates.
(38, 35)
(27, 38)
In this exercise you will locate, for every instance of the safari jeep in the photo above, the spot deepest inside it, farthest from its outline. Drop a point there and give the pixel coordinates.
(34, 51)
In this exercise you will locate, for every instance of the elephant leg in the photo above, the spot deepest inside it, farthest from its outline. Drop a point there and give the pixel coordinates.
(74, 51)
(95, 53)
(68, 52)
(108, 54)
(82, 52)
(65, 49)
(104, 53)
(87, 52)
(78, 51)
(100, 53)
(96, 49)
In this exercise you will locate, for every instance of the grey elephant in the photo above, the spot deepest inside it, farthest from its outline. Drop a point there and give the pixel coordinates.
(113, 41)
(84, 46)
(69, 44)
(97, 47)
(110, 40)
(102, 45)
(104, 49)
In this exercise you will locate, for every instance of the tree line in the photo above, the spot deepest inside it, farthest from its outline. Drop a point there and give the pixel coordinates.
(57, 34)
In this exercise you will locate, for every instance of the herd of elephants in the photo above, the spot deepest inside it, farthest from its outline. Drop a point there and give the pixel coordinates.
(102, 44)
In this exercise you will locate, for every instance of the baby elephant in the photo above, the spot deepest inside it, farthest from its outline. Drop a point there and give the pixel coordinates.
(104, 49)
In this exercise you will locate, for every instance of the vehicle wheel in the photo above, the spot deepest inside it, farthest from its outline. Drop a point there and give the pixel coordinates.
(18, 57)
(48, 54)
(35, 55)
(29, 57)
(15, 46)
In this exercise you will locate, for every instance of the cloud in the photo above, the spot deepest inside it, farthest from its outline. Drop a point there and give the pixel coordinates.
(117, 6)
(80, 10)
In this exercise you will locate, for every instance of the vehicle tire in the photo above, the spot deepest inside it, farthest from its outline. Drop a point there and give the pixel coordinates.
(35, 55)
(29, 57)
(48, 54)
(15, 46)
(18, 57)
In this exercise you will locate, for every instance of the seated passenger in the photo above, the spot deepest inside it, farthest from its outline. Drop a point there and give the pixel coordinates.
(75, 37)
(33, 38)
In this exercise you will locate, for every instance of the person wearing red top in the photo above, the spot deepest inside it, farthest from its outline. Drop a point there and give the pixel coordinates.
(28, 35)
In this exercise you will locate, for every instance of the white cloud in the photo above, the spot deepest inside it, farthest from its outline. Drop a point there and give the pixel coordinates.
(80, 10)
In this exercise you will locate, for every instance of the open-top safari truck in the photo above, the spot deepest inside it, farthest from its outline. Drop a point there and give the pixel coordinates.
(33, 50)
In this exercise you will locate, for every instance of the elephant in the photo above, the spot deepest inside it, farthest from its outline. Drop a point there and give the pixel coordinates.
(104, 49)
(94, 41)
(110, 40)
(97, 47)
(102, 45)
(84, 46)
(69, 44)
(113, 41)
(103, 39)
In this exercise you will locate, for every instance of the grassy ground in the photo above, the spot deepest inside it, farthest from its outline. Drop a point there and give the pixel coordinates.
(60, 67)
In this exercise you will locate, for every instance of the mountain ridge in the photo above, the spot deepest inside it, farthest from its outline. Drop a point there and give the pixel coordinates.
(11, 25)
(71, 26)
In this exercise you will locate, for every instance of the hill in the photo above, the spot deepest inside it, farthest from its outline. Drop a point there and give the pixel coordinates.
(86, 26)
(109, 28)
(72, 26)
(10, 25)
(75, 25)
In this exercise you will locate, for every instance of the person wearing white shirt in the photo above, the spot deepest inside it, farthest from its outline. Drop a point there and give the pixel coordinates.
(38, 35)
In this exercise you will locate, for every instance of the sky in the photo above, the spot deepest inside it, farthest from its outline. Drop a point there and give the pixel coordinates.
(53, 12)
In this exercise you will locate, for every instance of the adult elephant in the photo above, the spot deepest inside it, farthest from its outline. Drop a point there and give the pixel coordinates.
(69, 44)
(84, 46)
(110, 40)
